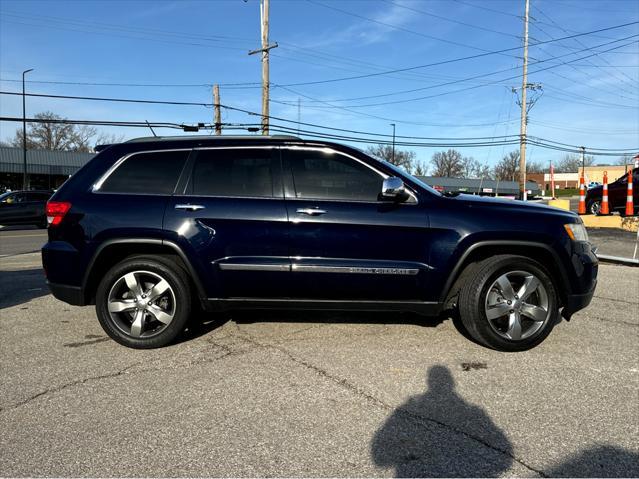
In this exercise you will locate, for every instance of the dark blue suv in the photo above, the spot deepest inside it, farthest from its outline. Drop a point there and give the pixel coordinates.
(152, 229)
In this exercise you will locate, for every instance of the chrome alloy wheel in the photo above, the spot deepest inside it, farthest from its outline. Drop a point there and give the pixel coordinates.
(141, 304)
(517, 305)
(595, 207)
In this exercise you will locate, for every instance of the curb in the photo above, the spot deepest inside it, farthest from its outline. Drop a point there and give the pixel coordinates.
(612, 221)
(618, 260)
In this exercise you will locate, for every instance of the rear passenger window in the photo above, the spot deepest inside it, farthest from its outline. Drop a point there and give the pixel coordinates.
(153, 173)
(233, 172)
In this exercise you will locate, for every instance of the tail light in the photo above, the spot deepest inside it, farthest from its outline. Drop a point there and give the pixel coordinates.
(56, 210)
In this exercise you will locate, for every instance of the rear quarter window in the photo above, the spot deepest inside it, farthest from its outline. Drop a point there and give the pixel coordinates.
(153, 173)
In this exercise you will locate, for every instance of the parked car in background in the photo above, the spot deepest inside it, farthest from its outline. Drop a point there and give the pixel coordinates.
(617, 194)
(153, 229)
(593, 184)
(24, 208)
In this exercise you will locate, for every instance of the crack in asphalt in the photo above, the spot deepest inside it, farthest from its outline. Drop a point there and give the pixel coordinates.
(615, 299)
(342, 382)
(227, 351)
(606, 320)
(67, 385)
(424, 420)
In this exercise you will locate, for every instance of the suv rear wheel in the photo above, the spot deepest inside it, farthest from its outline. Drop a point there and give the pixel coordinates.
(509, 303)
(143, 302)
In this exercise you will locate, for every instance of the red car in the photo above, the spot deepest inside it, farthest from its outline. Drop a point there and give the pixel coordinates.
(617, 194)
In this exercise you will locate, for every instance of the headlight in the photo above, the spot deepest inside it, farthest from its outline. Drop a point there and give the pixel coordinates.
(576, 231)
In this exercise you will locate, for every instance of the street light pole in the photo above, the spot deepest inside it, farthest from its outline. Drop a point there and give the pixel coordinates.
(393, 154)
(25, 181)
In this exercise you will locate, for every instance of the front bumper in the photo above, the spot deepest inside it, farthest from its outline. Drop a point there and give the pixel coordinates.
(576, 302)
(585, 265)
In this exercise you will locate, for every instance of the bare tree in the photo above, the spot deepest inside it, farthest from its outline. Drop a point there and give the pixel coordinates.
(474, 169)
(624, 160)
(82, 138)
(448, 163)
(420, 169)
(106, 139)
(470, 167)
(507, 169)
(485, 172)
(571, 163)
(402, 158)
(50, 134)
(534, 167)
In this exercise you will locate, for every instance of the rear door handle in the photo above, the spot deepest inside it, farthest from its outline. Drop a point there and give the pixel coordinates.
(311, 211)
(189, 207)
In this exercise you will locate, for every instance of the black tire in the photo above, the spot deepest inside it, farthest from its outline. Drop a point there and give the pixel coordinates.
(473, 298)
(594, 206)
(178, 300)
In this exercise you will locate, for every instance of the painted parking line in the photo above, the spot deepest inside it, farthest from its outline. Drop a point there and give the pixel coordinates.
(22, 236)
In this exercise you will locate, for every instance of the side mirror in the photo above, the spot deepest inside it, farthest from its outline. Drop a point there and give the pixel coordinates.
(393, 189)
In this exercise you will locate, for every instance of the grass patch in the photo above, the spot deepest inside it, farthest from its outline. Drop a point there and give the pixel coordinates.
(567, 192)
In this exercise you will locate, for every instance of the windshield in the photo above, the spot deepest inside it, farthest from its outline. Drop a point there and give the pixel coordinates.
(401, 173)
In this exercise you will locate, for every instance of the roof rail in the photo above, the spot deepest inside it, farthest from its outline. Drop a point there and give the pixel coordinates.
(211, 138)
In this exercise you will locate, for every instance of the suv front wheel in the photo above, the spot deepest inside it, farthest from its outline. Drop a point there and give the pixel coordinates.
(508, 303)
(143, 303)
(594, 206)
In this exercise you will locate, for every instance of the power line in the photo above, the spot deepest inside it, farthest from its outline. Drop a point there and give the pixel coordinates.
(544, 143)
(402, 29)
(314, 125)
(170, 85)
(507, 138)
(437, 125)
(119, 27)
(578, 41)
(501, 12)
(463, 80)
(124, 100)
(121, 35)
(64, 121)
(446, 19)
(455, 60)
(409, 100)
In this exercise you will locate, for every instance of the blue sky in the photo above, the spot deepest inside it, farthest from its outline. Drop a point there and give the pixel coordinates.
(592, 102)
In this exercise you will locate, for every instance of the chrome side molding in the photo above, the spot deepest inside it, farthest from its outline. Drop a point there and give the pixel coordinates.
(189, 207)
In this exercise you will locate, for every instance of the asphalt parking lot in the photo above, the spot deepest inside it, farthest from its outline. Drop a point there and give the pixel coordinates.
(315, 394)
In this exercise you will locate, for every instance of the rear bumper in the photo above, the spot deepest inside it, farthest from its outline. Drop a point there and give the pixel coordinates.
(69, 294)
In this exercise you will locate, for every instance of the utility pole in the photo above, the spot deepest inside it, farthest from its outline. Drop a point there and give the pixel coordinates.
(522, 137)
(216, 105)
(583, 162)
(393, 154)
(264, 11)
(25, 177)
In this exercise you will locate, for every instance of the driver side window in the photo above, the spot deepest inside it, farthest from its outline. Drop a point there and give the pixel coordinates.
(328, 175)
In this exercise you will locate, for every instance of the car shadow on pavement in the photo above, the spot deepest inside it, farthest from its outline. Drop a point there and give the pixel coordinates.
(439, 434)
(19, 287)
(201, 323)
(336, 317)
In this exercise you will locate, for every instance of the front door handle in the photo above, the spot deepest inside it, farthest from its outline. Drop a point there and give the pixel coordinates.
(189, 207)
(311, 211)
